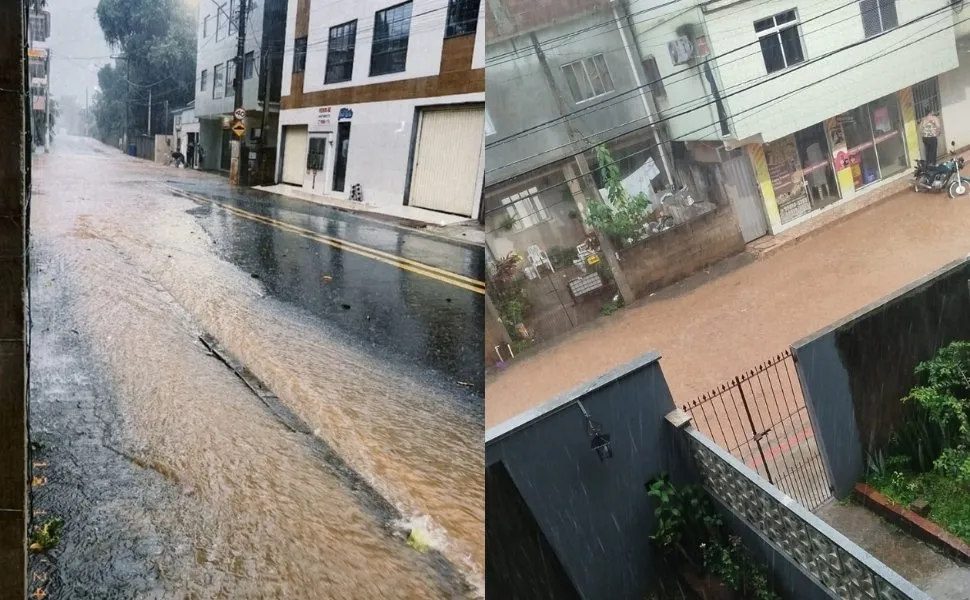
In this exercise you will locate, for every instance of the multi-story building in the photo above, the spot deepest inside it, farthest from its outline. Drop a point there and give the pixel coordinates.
(385, 98)
(39, 57)
(822, 97)
(261, 73)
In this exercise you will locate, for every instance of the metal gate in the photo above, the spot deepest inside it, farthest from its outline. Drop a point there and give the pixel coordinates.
(926, 100)
(745, 199)
(760, 417)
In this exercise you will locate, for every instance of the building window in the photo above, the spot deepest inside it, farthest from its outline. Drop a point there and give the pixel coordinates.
(462, 17)
(205, 26)
(588, 78)
(299, 55)
(233, 16)
(340, 53)
(489, 126)
(389, 52)
(203, 79)
(525, 209)
(781, 46)
(878, 16)
(220, 21)
(230, 76)
(316, 154)
(218, 80)
(249, 65)
(654, 79)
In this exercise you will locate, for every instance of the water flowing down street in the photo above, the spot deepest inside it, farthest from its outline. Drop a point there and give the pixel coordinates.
(173, 478)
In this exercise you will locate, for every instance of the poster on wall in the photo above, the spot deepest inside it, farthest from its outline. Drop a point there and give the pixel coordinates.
(784, 170)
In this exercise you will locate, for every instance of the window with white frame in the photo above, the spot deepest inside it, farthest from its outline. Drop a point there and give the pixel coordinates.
(525, 209)
(588, 78)
(781, 44)
(205, 26)
(221, 24)
(878, 16)
(489, 127)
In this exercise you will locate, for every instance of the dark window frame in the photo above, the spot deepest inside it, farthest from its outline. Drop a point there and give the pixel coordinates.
(381, 46)
(775, 36)
(231, 76)
(203, 80)
(249, 64)
(220, 20)
(218, 87)
(885, 13)
(654, 79)
(299, 54)
(205, 26)
(316, 161)
(342, 38)
(462, 17)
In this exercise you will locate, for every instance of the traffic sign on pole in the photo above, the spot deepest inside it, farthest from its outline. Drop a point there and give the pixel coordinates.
(239, 114)
(238, 128)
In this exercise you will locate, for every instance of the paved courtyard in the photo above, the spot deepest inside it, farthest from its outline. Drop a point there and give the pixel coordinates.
(718, 324)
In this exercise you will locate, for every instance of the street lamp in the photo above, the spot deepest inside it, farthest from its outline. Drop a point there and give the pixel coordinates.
(599, 441)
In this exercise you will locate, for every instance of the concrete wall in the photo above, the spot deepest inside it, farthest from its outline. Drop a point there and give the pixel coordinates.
(729, 25)
(855, 372)
(673, 255)
(955, 99)
(519, 96)
(214, 49)
(596, 516)
(13, 333)
(686, 90)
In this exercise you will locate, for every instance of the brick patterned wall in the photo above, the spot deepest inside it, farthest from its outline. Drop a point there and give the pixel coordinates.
(504, 18)
(681, 252)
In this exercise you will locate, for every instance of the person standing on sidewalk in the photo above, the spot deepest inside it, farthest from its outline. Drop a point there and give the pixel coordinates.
(929, 129)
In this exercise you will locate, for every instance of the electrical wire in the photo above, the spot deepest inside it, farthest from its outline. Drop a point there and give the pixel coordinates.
(686, 70)
(758, 81)
(758, 108)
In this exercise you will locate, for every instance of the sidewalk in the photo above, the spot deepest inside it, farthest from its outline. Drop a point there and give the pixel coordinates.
(713, 328)
(435, 223)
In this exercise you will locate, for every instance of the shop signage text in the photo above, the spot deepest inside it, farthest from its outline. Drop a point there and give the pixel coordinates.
(345, 114)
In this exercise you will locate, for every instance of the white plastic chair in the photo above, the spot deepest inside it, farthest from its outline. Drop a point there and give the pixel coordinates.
(537, 258)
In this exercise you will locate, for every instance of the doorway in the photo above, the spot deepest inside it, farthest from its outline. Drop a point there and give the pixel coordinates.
(447, 159)
(340, 162)
(294, 154)
(745, 199)
(225, 158)
(316, 164)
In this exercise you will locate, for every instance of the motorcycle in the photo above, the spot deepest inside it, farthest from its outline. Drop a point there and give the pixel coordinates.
(945, 175)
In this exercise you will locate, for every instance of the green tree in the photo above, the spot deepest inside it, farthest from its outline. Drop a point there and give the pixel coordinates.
(157, 40)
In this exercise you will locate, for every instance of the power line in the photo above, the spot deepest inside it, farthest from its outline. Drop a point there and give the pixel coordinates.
(763, 79)
(688, 70)
(706, 126)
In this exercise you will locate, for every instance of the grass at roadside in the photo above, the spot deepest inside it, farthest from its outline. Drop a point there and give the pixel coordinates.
(946, 496)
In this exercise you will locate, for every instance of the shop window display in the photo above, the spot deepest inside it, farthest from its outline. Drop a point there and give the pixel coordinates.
(817, 171)
(887, 126)
(861, 150)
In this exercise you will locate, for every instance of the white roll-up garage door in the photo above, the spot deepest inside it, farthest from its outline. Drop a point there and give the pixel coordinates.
(447, 160)
(294, 154)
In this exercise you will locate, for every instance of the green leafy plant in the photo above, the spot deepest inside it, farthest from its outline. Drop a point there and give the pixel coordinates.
(507, 288)
(623, 215)
(46, 535)
(945, 395)
(737, 568)
(561, 256)
(685, 518)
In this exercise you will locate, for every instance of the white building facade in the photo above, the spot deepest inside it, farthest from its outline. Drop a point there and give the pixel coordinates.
(384, 102)
(216, 68)
(822, 96)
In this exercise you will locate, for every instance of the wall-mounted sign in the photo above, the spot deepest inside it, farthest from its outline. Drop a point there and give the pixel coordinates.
(681, 50)
(345, 114)
(37, 52)
(323, 115)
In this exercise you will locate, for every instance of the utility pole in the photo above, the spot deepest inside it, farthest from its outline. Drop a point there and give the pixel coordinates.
(149, 111)
(268, 72)
(239, 165)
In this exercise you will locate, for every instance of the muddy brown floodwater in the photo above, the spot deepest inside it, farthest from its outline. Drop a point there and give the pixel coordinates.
(266, 515)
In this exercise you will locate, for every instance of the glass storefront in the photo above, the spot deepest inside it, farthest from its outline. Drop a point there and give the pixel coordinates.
(801, 172)
(874, 137)
(817, 171)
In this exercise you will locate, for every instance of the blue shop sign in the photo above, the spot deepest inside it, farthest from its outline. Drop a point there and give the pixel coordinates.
(345, 114)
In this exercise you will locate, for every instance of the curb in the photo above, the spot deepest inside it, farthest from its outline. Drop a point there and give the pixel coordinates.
(917, 526)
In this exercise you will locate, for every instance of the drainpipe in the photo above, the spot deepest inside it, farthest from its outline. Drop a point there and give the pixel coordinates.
(647, 108)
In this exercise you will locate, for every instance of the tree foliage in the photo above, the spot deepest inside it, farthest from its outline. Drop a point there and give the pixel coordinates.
(157, 40)
(623, 214)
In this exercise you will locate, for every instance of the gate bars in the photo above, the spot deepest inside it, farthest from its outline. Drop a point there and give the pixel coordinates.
(760, 417)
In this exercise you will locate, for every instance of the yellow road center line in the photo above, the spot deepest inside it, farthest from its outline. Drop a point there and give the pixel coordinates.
(405, 264)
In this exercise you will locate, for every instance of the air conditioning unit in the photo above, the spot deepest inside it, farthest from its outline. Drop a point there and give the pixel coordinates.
(681, 50)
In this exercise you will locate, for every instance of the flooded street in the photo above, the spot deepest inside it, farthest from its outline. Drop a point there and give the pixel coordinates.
(174, 479)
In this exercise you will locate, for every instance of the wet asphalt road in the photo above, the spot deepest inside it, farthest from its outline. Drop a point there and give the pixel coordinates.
(174, 479)
(430, 318)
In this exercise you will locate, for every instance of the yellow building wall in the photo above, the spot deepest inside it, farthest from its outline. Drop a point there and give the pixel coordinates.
(756, 155)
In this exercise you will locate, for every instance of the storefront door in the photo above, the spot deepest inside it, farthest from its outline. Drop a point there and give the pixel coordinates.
(816, 161)
(874, 137)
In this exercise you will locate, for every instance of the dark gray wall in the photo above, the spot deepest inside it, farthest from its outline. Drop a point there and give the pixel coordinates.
(855, 372)
(596, 516)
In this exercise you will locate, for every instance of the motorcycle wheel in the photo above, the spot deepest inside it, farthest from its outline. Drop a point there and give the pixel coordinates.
(960, 187)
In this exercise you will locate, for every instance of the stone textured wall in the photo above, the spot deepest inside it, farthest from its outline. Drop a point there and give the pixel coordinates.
(673, 255)
(787, 531)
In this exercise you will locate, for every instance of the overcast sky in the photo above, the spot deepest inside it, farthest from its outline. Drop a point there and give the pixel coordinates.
(77, 46)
